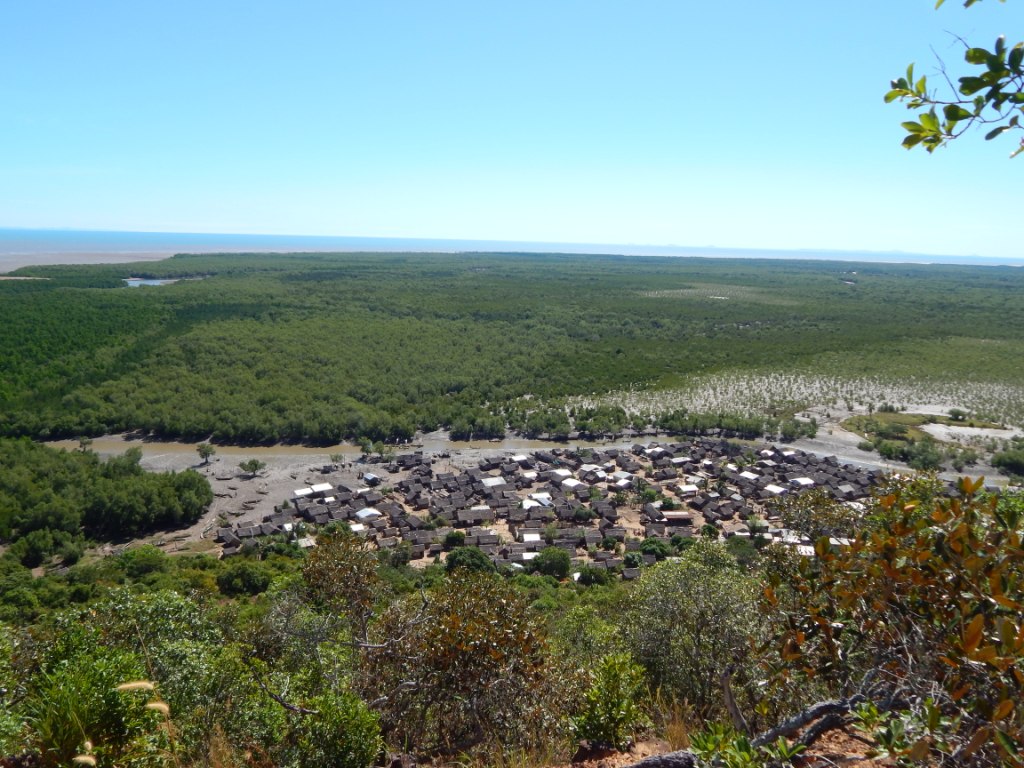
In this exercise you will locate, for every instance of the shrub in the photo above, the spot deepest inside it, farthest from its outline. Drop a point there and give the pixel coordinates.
(553, 561)
(657, 547)
(468, 559)
(466, 663)
(589, 576)
(140, 561)
(454, 539)
(1010, 462)
(583, 514)
(77, 702)
(689, 620)
(342, 734)
(926, 606)
(611, 710)
(10, 723)
(924, 455)
(243, 578)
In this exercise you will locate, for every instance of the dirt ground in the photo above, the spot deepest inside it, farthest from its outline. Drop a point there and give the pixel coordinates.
(835, 748)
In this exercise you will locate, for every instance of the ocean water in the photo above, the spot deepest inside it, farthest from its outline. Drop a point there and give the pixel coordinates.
(27, 247)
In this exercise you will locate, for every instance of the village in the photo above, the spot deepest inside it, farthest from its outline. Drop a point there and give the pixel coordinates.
(597, 504)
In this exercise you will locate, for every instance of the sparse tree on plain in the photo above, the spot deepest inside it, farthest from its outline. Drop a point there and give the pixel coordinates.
(252, 467)
(205, 451)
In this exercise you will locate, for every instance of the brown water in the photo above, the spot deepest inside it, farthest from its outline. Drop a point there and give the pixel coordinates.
(110, 445)
(431, 443)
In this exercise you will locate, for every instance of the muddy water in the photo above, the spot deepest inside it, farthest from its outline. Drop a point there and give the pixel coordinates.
(116, 444)
(431, 443)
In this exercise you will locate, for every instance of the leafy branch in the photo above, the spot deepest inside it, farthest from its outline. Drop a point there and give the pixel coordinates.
(992, 96)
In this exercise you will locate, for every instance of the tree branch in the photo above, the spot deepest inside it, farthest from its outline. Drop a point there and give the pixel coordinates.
(680, 759)
(277, 697)
(809, 715)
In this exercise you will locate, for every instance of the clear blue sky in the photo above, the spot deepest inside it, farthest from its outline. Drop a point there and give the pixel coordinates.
(736, 124)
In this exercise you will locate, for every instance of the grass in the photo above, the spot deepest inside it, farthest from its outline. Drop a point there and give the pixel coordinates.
(197, 547)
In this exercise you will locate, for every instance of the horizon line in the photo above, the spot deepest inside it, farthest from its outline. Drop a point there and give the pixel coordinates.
(456, 244)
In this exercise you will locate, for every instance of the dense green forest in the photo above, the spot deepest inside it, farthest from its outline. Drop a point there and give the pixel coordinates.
(333, 657)
(325, 347)
(56, 501)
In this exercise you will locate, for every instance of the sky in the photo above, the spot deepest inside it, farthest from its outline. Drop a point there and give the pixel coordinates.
(744, 124)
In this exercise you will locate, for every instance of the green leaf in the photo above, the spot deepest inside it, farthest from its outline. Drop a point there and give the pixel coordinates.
(1006, 743)
(995, 65)
(971, 85)
(912, 140)
(894, 94)
(912, 127)
(954, 112)
(995, 132)
(929, 121)
(1016, 57)
(976, 55)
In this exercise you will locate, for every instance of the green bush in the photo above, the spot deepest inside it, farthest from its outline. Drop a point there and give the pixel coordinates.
(552, 561)
(657, 547)
(688, 620)
(77, 701)
(10, 723)
(343, 733)
(590, 576)
(633, 560)
(611, 710)
(1010, 462)
(141, 561)
(454, 539)
(468, 559)
(244, 577)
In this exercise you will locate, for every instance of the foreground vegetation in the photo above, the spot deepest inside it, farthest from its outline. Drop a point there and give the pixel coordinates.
(912, 634)
(324, 347)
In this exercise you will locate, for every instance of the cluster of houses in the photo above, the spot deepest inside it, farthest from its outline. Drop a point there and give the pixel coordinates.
(594, 503)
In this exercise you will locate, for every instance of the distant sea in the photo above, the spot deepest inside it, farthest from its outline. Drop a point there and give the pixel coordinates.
(28, 247)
